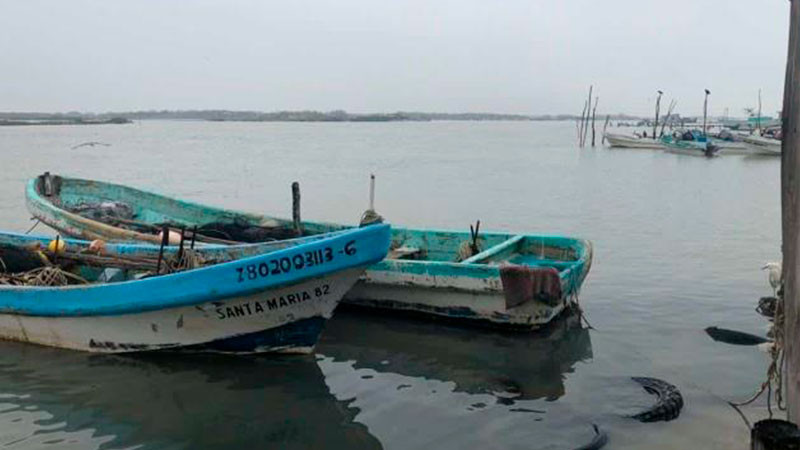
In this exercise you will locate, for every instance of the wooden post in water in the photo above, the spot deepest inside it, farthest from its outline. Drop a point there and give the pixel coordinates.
(586, 119)
(658, 110)
(298, 230)
(790, 209)
(705, 111)
(758, 119)
(594, 115)
(605, 125)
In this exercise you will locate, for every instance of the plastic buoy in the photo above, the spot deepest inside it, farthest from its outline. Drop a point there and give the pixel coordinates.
(174, 237)
(57, 246)
(97, 246)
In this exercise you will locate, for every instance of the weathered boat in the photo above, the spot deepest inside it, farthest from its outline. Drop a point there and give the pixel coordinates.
(115, 298)
(498, 279)
(763, 145)
(627, 141)
(692, 143)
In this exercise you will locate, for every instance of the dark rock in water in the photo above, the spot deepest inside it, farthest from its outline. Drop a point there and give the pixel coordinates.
(734, 337)
(18, 259)
(104, 211)
(668, 405)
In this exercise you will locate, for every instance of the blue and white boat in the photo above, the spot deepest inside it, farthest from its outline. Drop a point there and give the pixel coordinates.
(276, 300)
(489, 278)
(690, 142)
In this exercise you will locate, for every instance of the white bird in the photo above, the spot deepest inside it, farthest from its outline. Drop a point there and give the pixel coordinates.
(775, 275)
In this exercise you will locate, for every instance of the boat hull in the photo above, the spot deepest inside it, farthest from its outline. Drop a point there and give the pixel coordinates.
(624, 141)
(425, 272)
(286, 320)
(763, 146)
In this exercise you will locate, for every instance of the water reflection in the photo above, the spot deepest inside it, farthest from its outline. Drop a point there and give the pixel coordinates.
(526, 366)
(169, 401)
(454, 387)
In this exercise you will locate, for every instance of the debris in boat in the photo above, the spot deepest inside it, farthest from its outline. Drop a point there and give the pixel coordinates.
(470, 248)
(90, 144)
(522, 284)
(599, 441)
(15, 259)
(734, 337)
(668, 404)
(241, 231)
(107, 211)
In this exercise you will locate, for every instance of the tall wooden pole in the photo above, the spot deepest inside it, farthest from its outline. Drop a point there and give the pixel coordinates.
(594, 115)
(758, 119)
(790, 208)
(297, 226)
(658, 110)
(705, 111)
(588, 112)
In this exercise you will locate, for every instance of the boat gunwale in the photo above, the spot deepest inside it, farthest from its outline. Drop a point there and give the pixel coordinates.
(160, 292)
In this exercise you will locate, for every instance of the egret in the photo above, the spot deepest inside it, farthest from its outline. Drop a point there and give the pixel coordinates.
(775, 275)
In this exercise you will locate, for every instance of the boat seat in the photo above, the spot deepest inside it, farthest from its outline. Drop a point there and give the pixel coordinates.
(404, 253)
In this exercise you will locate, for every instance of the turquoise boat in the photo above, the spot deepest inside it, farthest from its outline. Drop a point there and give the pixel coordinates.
(115, 298)
(486, 278)
(692, 143)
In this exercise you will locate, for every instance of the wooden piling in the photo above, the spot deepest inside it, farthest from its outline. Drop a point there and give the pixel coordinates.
(758, 119)
(298, 230)
(586, 119)
(790, 206)
(658, 110)
(671, 108)
(594, 115)
(705, 111)
(605, 125)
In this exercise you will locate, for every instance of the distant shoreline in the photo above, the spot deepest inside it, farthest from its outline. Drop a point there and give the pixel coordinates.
(75, 118)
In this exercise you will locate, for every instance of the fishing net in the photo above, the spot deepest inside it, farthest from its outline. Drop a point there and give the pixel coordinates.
(108, 211)
(42, 276)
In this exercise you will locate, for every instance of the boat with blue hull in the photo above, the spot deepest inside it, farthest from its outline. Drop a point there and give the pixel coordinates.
(489, 278)
(690, 142)
(235, 301)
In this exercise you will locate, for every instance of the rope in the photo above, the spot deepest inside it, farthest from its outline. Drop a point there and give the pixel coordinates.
(775, 368)
(34, 225)
(42, 276)
(370, 217)
(186, 260)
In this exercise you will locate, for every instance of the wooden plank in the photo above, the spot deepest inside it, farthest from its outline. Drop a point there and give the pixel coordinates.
(790, 204)
(491, 251)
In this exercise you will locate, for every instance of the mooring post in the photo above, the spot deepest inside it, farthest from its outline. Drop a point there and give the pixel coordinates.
(790, 202)
(164, 242)
(298, 230)
(658, 110)
(705, 111)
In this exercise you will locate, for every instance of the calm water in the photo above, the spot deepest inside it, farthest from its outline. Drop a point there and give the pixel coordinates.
(679, 242)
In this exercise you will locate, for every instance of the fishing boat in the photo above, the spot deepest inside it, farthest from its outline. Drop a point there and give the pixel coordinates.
(627, 141)
(498, 279)
(690, 142)
(763, 145)
(108, 298)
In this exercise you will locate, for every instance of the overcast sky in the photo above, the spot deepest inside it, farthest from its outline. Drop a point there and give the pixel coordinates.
(515, 56)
